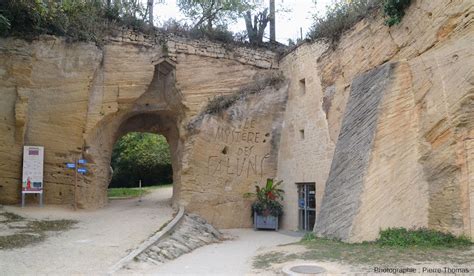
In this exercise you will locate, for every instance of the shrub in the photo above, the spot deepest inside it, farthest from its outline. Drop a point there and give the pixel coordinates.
(308, 237)
(402, 237)
(341, 17)
(219, 33)
(395, 10)
(85, 20)
(222, 102)
(345, 14)
(267, 199)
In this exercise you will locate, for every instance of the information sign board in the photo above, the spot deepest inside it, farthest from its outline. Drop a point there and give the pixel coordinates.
(33, 157)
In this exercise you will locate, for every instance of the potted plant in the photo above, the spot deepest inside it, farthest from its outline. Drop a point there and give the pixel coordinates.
(267, 207)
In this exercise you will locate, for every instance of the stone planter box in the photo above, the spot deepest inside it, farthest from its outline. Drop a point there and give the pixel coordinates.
(265, 222)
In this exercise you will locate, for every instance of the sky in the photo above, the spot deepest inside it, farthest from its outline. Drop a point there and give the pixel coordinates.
(288, 24)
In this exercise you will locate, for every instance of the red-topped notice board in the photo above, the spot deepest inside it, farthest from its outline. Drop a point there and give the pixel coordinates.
(32, 179)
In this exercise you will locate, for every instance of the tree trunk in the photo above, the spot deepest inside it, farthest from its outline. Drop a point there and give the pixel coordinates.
(272, 21)
(251, 32)
(256, 30)
(150, 11)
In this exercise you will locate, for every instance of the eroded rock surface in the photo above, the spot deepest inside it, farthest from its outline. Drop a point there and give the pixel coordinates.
(192, 232)
(413, 167)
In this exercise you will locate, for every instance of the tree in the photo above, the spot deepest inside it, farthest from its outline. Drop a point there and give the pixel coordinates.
(141, 156)
(208, 13)
(256, 30)
(272, 21)
(150, 11)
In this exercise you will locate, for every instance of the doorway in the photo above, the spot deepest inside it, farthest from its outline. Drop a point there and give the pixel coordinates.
(306, 206)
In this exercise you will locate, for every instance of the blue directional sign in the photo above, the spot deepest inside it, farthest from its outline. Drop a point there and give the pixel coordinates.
(81, 170)
(82, 161)
(70, 165)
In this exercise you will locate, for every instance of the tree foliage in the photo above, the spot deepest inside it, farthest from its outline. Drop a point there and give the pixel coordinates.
(141, 156)
(86, 20)
(395, 10)
(211, 13)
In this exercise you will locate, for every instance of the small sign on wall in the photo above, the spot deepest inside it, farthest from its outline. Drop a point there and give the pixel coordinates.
(33, 157)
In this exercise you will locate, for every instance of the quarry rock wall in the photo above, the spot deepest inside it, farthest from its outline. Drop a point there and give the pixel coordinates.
(415, 168)
(76, 100)
(306, 149)
(382, 122)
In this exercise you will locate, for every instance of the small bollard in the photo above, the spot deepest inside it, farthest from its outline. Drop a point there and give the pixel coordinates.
(140, 187)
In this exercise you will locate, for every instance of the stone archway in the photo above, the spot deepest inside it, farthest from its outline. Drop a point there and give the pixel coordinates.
(99, 94)
(157, 111)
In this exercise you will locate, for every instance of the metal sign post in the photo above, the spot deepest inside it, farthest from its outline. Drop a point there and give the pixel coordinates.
(75, 183)
(77, 169)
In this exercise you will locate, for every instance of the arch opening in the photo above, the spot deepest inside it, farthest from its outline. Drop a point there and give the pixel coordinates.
(151, 139)
(162, 123)
(140, 159)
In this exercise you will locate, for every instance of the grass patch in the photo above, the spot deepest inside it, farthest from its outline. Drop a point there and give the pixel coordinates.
(19, 240)
(373, 253)
(30, 231)
(423, 237)
(395, 247)
(51, 225)
(133, 192)
(264, 261)
(11, 217)
(125, 192)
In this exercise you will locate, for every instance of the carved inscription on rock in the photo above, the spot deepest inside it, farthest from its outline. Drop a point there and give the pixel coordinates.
(243, 152)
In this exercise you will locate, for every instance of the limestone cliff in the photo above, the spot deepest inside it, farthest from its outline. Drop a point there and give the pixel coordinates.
(76, 99)
(381, 123)
(402, 160)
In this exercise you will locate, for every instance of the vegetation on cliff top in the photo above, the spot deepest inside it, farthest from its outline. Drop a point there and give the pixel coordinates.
(218, 104)
(93, 20)
(342, 15)
(86, 20)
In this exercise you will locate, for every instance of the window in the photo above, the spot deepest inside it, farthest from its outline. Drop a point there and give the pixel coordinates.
(302, 134)
(302, 86)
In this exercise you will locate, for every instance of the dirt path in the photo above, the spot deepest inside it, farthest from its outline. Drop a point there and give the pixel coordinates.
(230, 257)
(98, 240)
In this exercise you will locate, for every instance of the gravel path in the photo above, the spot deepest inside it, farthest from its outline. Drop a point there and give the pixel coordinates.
(230, 257)
(100, 239)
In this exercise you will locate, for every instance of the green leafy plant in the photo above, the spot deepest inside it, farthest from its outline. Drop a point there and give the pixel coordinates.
(402, 237)
(395, 10)
(267, 199)
(339, 17)
(4, 25)
(84, 20)
(141, 156)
